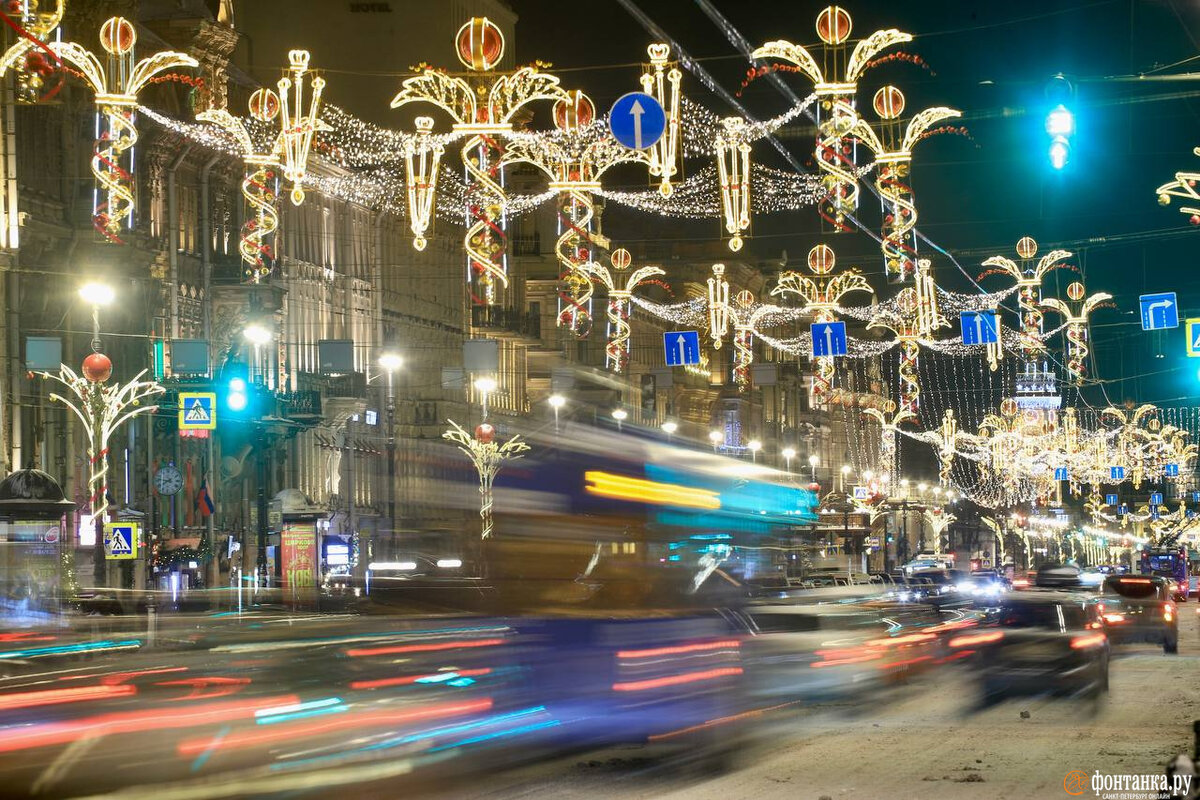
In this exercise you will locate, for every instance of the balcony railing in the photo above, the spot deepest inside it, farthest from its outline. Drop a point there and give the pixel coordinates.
(507, 319)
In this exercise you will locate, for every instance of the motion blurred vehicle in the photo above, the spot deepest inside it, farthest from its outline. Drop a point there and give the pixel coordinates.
(1139, 608)
(1040, 642)
(984, 588)
(832, 650)
(1169, 563)
(1058, 576)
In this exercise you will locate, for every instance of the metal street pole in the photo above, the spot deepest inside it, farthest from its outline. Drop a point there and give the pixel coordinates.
(391, 456)
(262, 470)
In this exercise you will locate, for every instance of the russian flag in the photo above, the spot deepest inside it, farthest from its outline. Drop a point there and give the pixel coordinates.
(204, 501)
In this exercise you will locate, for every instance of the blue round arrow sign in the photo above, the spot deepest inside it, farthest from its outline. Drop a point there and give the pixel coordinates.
(637, 120)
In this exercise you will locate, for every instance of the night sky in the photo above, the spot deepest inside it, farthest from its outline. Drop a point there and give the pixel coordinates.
(976, 195)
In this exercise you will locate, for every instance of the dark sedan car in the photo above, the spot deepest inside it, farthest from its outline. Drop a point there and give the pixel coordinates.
(1138, 608)
(1040, 642)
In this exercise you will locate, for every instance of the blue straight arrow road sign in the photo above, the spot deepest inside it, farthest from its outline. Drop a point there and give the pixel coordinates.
(979, 327)
(1116, 473)
(1172, 470)
(828, 339)
(1159, 311)
(681, 348)
(1156, 498)
(1060, 474)
(637, 120)
(1121, 509)
(1196, 497)
(1110, 499)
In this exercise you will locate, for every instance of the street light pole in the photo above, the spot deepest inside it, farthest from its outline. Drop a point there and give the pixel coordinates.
(391, 362)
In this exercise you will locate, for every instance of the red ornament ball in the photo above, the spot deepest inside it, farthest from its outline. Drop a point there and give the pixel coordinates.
(485, 433)
(117, 36)
(480, 44)
(97, 368)
(1194, 219)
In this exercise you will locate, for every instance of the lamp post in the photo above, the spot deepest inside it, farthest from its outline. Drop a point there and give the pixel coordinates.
(788, 454)
(391, 362)
(556, 401)
(715, 437)
(485, 386)
(669, 427)
(96, 294)
(842, 479)
(813, 460)
(620, 415)
(755, 445)
(258, 335)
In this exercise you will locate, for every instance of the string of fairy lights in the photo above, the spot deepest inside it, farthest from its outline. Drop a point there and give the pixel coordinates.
(994, 408)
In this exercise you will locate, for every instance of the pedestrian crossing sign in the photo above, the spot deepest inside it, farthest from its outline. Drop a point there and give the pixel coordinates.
(120, 540)
(197, 411)
(1192, 327)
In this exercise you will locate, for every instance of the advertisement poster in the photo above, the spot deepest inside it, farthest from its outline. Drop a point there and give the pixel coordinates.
(29, 565)
(298, 556)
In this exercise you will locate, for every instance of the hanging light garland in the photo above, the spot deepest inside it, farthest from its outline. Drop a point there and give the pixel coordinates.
(116, 84)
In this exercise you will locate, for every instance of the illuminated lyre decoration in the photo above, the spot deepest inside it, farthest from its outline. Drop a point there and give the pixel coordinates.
(1029, 282)
(488, 456)
(422, 157)
(101, 409)
(661, 81)
(298, 126)
(889, 427)
(744, 316)
(616, 352)
(835, 85)
(938, 520)
(916, 318)
(27, 56)
(574, 163)
(1137, 433)
(893, 158)
(260, 183)
(718, 306)
(482, 108)
(116, 85)
(733, 171)
(1077, 324)
(822, 297)
(949, 439)
(1183, 187)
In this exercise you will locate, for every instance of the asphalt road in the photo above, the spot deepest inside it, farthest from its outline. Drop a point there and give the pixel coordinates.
(923, 744)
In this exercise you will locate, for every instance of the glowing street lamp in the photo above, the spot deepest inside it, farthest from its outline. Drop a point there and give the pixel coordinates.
(788, 454)
(715, 437)
(754, 445)
(842, 480)
(813, 460)
(556, 401)
(96, 294)
(669, 427)
(485, 386)
(620, 415)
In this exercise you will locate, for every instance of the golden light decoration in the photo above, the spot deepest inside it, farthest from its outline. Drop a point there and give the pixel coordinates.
(116, 84)
(574, 162)
(1183, 187)
(822, 297)
(482, 106)
(889, 427)
(298, 124)
(422, 157)
(1076, 319)
(893, 148)
(835, 80)
(616, 351)
(718, 306)
(27, 55)
(101, 409)
(661, 81)
(260, 182)
(938, 520)
(488, 456)
(1028, 276)
(733, 174)
(916, 317)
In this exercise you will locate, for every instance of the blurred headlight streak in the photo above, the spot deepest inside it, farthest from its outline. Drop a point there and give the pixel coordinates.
(622, 487)
(675, 680)
(422, 648)
(729, 644)
(266, 716)
(406, 680)
(66, 649)
(974, 639)
(392, 566)
(72, 695)
(449, 563)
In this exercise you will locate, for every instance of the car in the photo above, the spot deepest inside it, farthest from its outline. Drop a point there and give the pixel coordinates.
(1039, 642)
(984, 588)
(1139, 608)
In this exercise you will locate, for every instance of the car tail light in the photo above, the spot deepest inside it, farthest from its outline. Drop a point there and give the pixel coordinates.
(973, 639)
(1114, 618)
(1168, 611)
(1088, 640)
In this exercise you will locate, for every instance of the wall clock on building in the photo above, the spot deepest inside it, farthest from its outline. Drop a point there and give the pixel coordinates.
(168, 480)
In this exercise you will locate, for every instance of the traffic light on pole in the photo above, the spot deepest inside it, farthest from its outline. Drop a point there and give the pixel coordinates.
(1060, 121)
(236, 389)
